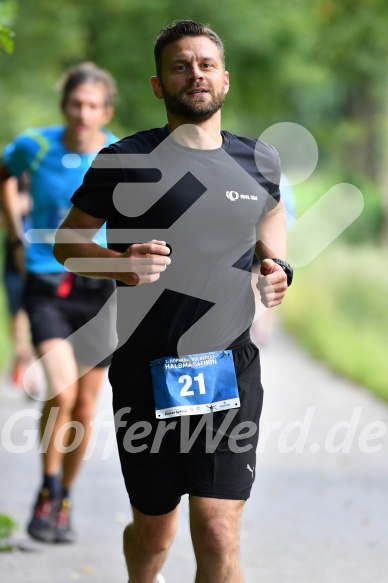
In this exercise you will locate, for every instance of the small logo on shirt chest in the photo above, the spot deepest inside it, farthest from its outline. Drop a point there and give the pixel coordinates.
(233, 196)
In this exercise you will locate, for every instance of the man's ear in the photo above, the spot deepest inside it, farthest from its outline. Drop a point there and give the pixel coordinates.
(109, 111)
(226, 81)
(156, 87)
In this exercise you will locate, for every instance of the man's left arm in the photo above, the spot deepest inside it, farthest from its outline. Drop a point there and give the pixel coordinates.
(271, 237)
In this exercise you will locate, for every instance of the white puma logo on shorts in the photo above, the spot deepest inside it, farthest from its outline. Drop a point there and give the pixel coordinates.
(250, 469)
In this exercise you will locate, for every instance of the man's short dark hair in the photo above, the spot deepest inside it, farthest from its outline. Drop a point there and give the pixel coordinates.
(87, 73)
(181, 29)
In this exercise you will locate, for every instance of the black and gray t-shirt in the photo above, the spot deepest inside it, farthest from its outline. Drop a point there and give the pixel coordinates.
(205, 204)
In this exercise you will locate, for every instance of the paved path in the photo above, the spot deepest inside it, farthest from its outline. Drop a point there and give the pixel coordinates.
(318, 511)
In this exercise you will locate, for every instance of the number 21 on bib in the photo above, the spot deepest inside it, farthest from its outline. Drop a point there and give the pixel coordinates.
(194, 384)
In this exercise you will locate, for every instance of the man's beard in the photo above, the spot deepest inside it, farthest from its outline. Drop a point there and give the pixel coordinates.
(181, 105)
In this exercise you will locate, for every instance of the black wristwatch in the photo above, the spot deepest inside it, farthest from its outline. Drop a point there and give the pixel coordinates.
(286, 268)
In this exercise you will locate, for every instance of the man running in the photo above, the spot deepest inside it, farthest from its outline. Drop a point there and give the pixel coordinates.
(210, 199)
(61, 306)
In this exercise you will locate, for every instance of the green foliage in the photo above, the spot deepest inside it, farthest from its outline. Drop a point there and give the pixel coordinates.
(336, 307)
(6, 39)
(5, 335)
(368, 225)
(7, 526)
(7, 13)
(352, 23)
(301, 61)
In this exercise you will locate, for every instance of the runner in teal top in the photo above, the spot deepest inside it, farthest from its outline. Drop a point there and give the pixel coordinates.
(55, 173)
(70, 316)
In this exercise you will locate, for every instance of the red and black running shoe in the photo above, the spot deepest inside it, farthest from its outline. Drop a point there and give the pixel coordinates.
(64, 530)
(42, 526)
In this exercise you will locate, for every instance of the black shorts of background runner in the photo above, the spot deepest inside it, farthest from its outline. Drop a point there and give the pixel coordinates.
(157, 476)
(53, 316)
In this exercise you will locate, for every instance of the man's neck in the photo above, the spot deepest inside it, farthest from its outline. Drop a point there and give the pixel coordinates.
(201, 136)
(83, 146)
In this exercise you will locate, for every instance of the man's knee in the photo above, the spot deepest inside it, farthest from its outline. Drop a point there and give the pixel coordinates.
(219, 538)
(148, 541)
(64, 399)
(215, 526)
(83, 411)
(152, 534)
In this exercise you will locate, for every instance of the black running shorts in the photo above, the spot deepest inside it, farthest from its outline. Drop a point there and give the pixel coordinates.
(210, 455)
(74, 314)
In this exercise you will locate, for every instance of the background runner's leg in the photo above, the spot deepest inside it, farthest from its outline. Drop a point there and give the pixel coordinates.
(83, 410)
(62, 386)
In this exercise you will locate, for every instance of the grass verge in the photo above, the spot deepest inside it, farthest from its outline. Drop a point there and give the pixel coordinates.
(337, 308)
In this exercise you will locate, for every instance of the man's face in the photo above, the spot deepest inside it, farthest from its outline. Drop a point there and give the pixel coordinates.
(85, 110)
(193, 82)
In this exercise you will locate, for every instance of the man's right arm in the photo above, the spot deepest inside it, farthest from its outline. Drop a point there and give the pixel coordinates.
(9, 198)
(10, 203)
(75, 249)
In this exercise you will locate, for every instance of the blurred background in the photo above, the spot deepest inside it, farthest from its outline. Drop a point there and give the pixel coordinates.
(318, 63)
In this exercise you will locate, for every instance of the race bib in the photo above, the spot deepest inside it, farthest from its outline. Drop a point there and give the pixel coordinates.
(194, 384)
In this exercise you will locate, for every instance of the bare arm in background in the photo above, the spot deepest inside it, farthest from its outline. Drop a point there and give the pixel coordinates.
(12, 211)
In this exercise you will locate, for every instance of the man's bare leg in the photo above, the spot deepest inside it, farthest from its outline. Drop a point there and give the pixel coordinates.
(146, 543)
(62, 386)
(215, 526)
(84, 407)
(60, 369)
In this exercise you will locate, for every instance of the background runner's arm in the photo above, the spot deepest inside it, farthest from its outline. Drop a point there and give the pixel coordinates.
(11, 205)
(18, 157)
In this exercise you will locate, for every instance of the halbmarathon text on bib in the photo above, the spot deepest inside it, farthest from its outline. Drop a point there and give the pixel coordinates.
(194, 384)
